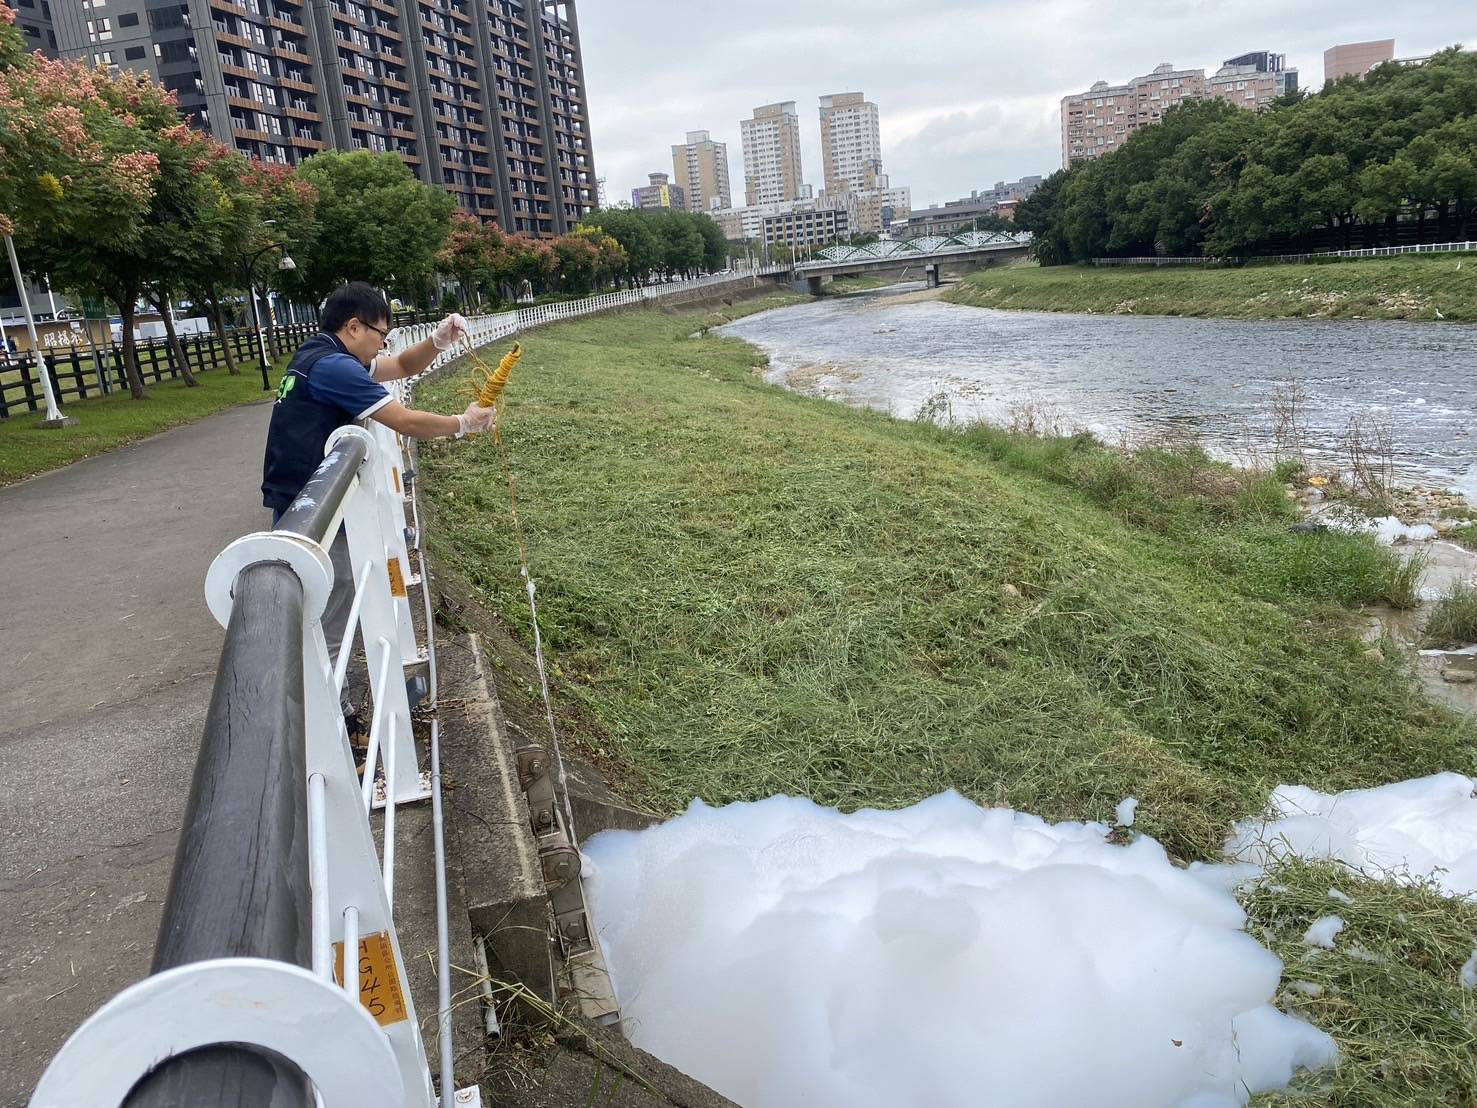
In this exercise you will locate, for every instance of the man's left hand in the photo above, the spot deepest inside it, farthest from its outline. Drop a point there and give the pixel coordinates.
(450, 331)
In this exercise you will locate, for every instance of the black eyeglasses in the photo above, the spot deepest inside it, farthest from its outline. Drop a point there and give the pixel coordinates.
(383, 333)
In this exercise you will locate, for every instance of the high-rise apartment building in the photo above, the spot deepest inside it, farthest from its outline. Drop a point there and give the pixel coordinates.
(851, 142)
(483, 97)
(700, 169)
(771, 141)
(1253, 80)
(1355, 59)
(659, 193)
(33, 19)
(1098, 121)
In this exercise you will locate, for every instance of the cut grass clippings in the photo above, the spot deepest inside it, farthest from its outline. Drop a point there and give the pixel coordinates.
(108, 422)
(1416, 287)
(744, 591)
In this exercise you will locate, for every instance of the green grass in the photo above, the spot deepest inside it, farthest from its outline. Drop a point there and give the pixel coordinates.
(1414, 287)
(108, 422)
(745, 591)
(1453, 621)
(1389, 992)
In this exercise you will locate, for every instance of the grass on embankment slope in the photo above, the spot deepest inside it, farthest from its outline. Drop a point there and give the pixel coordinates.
(758, 592)
(108, 422)
(1415, 287)
(745, 591)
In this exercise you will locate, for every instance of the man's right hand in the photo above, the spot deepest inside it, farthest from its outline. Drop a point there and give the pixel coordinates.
(476, 419)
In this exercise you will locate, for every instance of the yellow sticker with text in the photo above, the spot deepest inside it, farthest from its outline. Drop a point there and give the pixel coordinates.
(397, 579)
(379, 977)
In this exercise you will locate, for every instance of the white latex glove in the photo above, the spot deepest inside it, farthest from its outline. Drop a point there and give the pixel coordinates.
(475, 419)
(449, 332)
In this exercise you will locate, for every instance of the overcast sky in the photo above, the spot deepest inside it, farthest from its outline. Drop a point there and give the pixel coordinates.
(968, 91)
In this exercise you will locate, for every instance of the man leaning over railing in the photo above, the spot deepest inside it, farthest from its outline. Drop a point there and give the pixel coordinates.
(333, 380)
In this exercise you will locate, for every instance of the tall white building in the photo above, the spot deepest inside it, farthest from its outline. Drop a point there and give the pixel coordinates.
(851, 142)
(771, 141)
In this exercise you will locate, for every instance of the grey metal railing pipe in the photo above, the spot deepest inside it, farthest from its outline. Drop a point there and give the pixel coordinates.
(240, 882)
(323, 495)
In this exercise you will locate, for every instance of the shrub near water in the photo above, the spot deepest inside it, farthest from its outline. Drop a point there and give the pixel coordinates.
(754, 592)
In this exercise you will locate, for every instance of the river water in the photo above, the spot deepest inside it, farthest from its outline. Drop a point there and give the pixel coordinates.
(1140, 378)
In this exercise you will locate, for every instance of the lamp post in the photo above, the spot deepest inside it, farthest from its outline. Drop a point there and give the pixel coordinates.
(54, 417)
(248, 266)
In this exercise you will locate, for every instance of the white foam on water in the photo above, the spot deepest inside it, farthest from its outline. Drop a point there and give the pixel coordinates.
(1423, 829)
(788, 955)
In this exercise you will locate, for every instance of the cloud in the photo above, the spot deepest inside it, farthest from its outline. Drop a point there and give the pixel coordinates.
(968, 89)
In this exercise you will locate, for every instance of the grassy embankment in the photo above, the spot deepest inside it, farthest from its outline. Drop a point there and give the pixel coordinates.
(1416, 287)
(108, 422)
(744, 591)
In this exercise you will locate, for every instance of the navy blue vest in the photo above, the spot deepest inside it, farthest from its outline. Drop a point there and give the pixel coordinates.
(300, 426)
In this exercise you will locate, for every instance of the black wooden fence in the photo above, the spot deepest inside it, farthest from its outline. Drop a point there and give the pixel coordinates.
(75, 373)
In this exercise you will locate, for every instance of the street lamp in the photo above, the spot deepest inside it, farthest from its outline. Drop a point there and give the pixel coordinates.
(54, 417)
(286, 264)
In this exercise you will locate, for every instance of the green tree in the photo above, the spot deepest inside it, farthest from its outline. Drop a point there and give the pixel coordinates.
(637, 238)
(467, 255)
(89, 170)
(375, 222)
(715, 246)
(1363, 162)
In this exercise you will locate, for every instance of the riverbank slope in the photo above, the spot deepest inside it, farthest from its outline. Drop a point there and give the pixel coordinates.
(1416, 287)
(744, 591)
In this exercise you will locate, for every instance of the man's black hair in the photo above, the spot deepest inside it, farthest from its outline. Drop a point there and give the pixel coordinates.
(356, 300)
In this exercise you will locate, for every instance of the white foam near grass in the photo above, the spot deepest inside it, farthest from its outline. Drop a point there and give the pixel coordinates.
(786, 954)
(1423, 829)
(1323, 931)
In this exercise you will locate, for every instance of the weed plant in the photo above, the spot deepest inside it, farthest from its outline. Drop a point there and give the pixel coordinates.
(1453, 620)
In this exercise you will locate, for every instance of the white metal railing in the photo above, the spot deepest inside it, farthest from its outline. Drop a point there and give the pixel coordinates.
(347, 1023)
(1270, 259)
(924, 246)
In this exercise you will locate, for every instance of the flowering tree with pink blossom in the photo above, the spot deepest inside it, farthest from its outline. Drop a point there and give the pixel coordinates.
(79, 175)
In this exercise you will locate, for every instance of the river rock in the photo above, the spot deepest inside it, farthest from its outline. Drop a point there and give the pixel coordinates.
(1010, 592)
(1460, 669)
(1375, 654)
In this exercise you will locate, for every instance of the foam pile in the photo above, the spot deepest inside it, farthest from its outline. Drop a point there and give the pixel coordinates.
(1423, 829)
(944, 954)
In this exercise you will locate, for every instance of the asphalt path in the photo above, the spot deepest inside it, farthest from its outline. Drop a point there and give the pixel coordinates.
(109, 654)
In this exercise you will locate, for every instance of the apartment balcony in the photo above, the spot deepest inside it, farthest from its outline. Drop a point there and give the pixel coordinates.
(296, 85)
(306, 142)
(282, 23)
(306, 115)
(292, 53)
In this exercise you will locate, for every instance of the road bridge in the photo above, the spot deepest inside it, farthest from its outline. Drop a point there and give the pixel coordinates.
(924, 257)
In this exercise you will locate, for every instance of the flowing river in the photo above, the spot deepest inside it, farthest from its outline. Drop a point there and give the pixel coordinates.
(1140, 378)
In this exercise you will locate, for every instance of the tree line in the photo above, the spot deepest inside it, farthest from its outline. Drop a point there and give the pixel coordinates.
(608, 248)
(109, 193)
(1378, 161)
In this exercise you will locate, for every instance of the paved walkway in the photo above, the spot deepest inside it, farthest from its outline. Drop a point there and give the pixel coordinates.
(109, 656)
